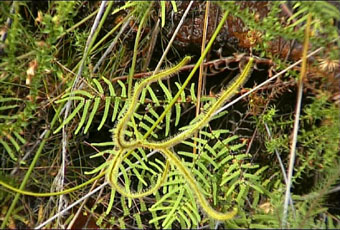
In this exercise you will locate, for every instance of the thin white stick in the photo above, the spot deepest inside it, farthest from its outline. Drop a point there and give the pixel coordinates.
(277, 155)
(61, 174)
(71, 206)
(282, 167)
(292, 154)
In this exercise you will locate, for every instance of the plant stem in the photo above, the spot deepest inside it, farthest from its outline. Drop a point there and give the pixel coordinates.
(296, 123)
(135, 51)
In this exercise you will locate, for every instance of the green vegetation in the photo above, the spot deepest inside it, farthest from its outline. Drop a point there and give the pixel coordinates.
(98, 126)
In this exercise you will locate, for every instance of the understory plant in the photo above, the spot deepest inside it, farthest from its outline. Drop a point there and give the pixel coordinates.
(98, 126)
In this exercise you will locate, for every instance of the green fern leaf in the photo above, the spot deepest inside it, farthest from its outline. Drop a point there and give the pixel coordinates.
(111, 89)
(98, 85)
(106, 112)
(115, 108)
(71, 116)
(9, 150)
(92, 114)
(178, 113)
(83, 117)
(153, 96)
(230, 177)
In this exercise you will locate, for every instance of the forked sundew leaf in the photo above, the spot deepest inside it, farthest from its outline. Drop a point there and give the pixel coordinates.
(106, 112)
(71, 116)
(92, 114)
(83, 117)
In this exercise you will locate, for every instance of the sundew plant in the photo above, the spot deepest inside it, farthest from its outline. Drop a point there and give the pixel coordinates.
(169, 114)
